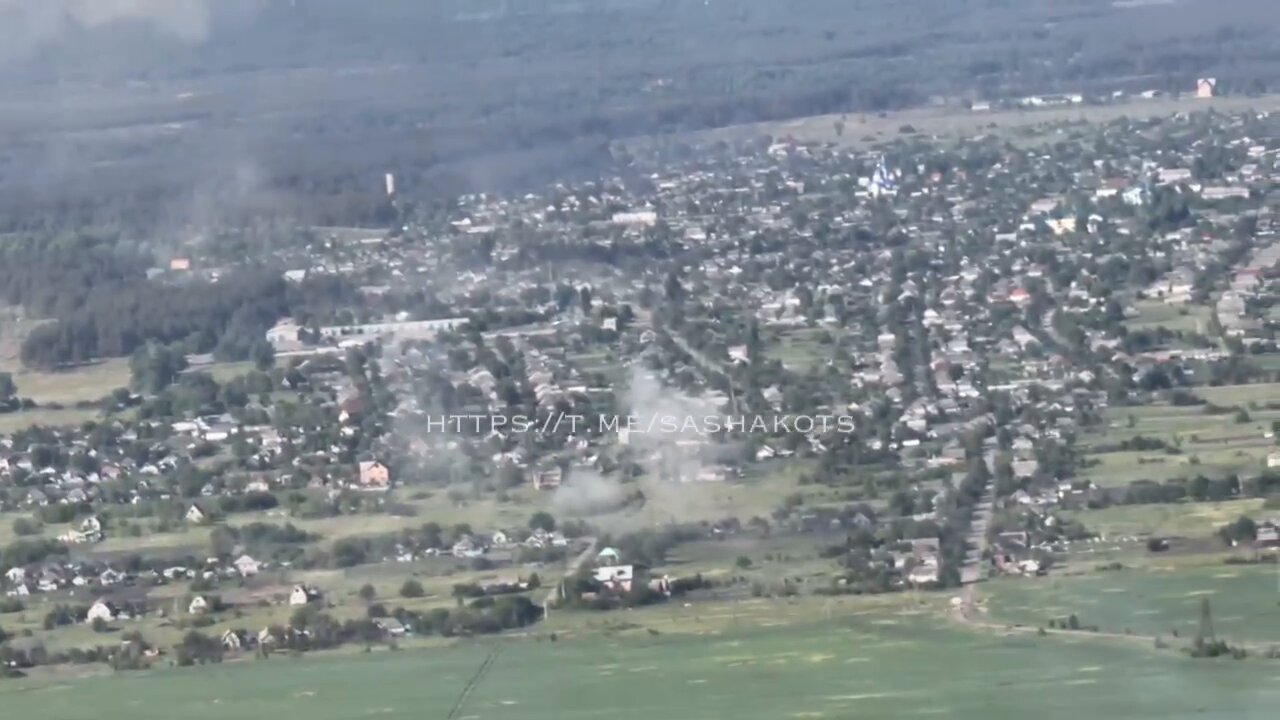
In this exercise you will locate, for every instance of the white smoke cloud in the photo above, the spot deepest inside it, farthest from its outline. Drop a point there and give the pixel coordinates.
(680, 452)
(185, 19)
(27, 23)
(587, 493)
(672, 460)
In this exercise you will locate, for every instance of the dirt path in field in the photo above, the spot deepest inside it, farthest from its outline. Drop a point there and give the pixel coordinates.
(571, 571)
(967, 616)
(965, 610)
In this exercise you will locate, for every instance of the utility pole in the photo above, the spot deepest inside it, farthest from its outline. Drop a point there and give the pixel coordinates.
(1205, 634)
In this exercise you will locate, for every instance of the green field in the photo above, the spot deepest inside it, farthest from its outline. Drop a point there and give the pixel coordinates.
(86, 383)
(17, 421)
(1032, 127)
(1212, 445)
(845, 668)
(1155, 313)
(1153, 600)
(800, 350)
(1169, 519)
(1241, 394)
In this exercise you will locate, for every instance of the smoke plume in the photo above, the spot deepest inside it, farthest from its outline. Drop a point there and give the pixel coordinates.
(25, 24)
(587, 493)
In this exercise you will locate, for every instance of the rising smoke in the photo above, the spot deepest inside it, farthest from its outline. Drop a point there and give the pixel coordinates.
(587, 493)
(39, 20)
(27, 24)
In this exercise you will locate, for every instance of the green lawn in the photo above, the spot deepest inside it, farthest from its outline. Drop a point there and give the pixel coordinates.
(799, 350)
(1168, 519)
(88, 382)
(1154, 600)
(1241, 394)
(1122, 468)
(1184, 318)
(869, 666)
(16, 421)
(1212, 445)
(223, 372)
(1025, 128)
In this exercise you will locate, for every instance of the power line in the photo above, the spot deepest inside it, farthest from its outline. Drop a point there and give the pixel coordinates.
(467, 689)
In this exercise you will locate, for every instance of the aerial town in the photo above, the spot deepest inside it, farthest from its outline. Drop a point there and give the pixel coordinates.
(754, 370)
(636, 359)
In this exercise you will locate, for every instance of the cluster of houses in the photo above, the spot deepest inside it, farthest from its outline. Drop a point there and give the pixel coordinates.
(55, 575)
(104, 610)
(476, 545)
(615, 577)
(901, 289)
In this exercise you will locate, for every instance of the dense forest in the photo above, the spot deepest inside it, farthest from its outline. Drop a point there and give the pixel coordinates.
(298, 107)
(102, 303)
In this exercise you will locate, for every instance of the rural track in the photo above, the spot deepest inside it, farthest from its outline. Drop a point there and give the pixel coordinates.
(571, 570)
(971, 576)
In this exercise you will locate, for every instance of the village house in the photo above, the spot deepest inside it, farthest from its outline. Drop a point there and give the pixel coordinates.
(616, 578)
(247, 566)
(236, 640)
(101, 610)
(304, 595)
(374, 476)
(1268, 535)
(89, 531)
(548, 479)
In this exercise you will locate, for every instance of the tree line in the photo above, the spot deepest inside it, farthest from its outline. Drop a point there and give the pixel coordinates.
(101, 303)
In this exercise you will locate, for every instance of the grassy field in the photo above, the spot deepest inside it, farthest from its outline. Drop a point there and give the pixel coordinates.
(1213, 445)
(1180, 520)
(223, 372)
(16, 421)
(872, 665)
(1030, 126)
(85, 383)
(602, 362)
(1241, 394)
(799, 350)
(794, 557)
(1154, 314)
(1155, 600)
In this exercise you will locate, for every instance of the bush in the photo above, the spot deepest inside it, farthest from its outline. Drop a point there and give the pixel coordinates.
(24, 527)
(412, 589)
